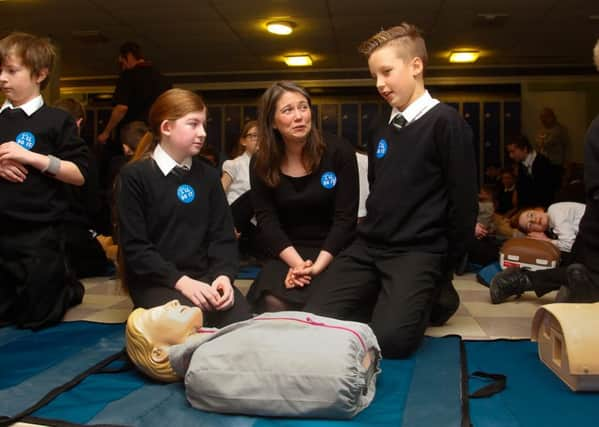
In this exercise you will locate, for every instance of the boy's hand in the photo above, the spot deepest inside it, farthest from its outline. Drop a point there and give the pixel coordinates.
(480, 231)
(12, 171)
(13, 151)
(223, 287)
(200, 293)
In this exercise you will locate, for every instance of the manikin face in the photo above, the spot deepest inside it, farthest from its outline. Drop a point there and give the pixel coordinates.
(533, 220)
(293, 117)
(250, 140)
(395, 76)
(16, 81)
(185, 136)
(170, 323)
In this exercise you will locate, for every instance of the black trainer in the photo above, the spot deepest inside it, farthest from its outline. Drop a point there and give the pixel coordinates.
(509, 282)
(579, 286)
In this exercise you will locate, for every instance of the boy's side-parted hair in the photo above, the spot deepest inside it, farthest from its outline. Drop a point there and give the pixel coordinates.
(272, 148)
(406, 36)
(36, 53)
(73, 107)
(170, 105)
(521, 142)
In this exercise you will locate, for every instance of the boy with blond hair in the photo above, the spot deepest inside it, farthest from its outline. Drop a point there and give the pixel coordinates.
(421, 208)
(39, 151)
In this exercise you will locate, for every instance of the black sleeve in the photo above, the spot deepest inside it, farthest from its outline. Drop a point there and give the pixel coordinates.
(122, 92)
(71, 147)
(459, 167)
(266, 213)
(591, 164)
(222, 247)
(142, 258)
(346, 198)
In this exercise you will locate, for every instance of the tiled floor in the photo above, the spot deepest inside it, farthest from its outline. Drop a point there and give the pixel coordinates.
(476, 318)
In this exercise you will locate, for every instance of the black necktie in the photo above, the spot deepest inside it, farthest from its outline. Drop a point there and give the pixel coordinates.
(180, 170)
(399, 121)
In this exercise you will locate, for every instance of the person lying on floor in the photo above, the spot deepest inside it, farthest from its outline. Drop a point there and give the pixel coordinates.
(558, 225)
(252, 367)
(578, 282)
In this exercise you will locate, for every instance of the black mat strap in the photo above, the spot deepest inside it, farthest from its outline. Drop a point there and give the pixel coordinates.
(52, 394)
(498, 384)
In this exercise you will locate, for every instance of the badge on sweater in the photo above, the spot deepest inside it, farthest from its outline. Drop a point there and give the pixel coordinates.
(25, 140)
(328, 180)
(186, 193)
(381, 149)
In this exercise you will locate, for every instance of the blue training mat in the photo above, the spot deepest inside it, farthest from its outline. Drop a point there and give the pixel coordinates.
(405, 389)
(533, 396)
(486, 274)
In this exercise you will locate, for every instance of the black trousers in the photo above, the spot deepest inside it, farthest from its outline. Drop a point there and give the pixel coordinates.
(398, 289)
(85, 254)
(36, 284)
(148, 297)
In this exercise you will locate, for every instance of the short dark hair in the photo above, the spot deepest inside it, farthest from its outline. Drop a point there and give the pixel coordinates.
(521, 142)
(132, 48)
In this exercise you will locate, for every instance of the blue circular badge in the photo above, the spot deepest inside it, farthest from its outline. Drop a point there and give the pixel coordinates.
(328, 180)
(381, 149)
(25, 140)
(186, 193)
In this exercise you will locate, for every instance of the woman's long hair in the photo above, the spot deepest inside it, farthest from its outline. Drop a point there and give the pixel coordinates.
(272, 148)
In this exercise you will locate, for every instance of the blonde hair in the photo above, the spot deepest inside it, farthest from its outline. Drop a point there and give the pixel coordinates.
(171, 105)
(596, 54)
(36, 53)
(139, 348)
(407, 37)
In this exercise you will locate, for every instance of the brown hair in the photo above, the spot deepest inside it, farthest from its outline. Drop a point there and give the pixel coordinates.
(272, 148)
(521, 142)
(247, 127)
(73, 107)
(36, 53)
(171, 105)
(406, 36)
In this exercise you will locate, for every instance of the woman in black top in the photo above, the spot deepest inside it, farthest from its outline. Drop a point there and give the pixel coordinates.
(305, 195)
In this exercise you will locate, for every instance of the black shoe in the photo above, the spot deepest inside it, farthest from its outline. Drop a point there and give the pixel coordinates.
(509, 282)
(579, 286)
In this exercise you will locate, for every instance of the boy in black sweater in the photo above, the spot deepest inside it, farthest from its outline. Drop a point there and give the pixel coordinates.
(421, 208)
(39, 151)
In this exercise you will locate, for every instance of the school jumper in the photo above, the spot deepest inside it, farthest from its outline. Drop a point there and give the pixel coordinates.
(421, 214)
(36, 284)
(174, 225)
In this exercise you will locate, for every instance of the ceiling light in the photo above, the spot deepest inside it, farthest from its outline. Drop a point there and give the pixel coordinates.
(298, 60)
(281, 28)
(463, 56)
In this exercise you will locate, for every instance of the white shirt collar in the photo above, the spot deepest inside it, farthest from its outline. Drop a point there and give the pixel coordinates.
(416, 109)
(529, 160)
(166, 163)
(29, 107)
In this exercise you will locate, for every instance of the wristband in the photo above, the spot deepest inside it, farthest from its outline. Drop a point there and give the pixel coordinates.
(53, 166)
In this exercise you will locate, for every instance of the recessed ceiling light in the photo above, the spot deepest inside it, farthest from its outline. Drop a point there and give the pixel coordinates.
(281, 28)
(298, 60)
(464, 56)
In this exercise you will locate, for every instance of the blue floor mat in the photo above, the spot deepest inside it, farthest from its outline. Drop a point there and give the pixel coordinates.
(533, 396)
(405, 389)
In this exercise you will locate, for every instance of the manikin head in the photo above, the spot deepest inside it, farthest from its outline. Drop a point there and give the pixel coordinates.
(150, 333)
